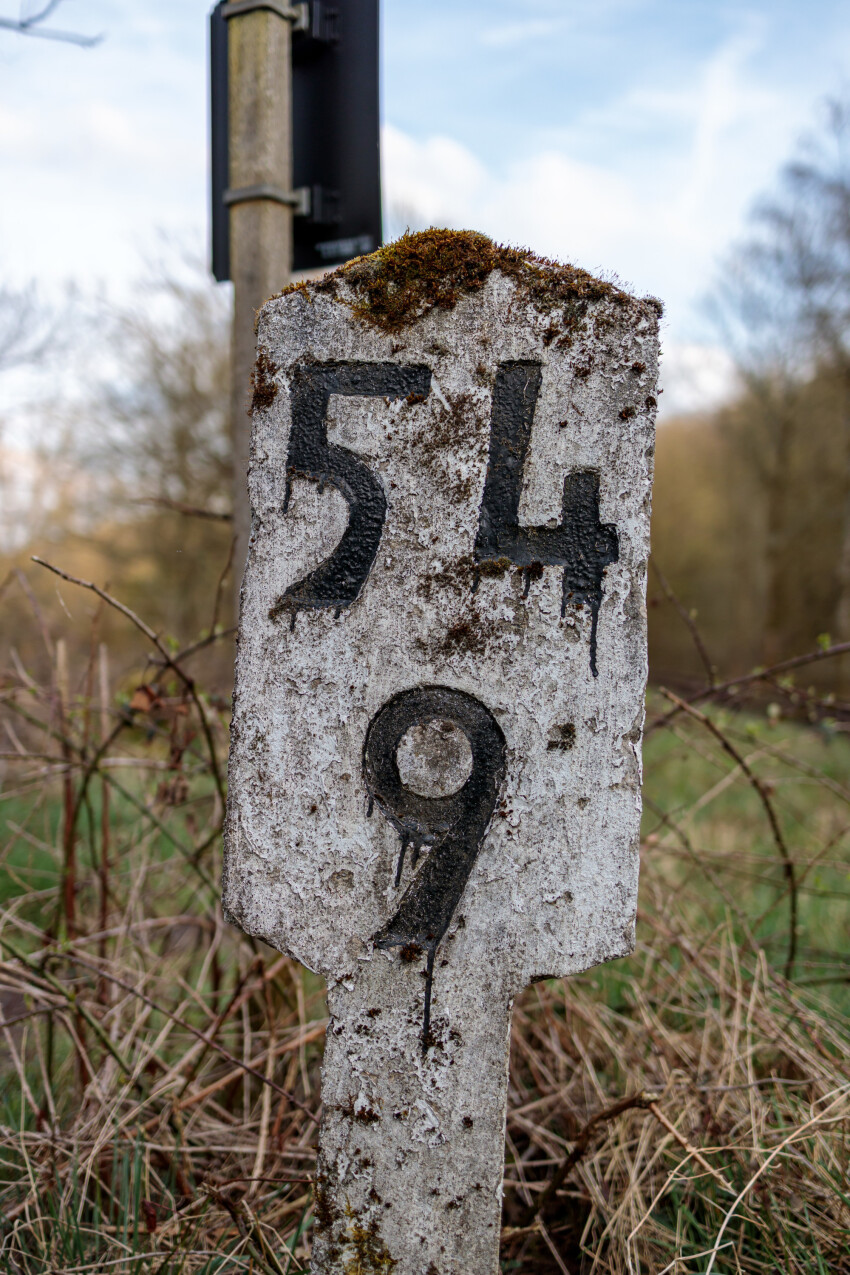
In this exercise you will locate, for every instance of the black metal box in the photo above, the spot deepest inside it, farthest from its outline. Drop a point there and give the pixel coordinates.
(336, 133)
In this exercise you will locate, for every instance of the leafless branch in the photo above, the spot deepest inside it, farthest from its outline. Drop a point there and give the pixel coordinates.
(764, 797)
(32, 26)
(582, 1142)
(27, 327)
(688, 620)
(179, 507)
(760, 675)
(168, 659)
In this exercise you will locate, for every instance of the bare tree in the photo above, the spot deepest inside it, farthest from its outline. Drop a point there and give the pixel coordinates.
(156, 428)
(27, 327)
(31, 24)
(132, 444)
(785, 306)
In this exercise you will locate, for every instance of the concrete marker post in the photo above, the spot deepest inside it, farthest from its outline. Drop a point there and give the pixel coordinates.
(435, 761)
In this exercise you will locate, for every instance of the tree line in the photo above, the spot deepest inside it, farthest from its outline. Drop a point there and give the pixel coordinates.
(751, 523)
(752, 501)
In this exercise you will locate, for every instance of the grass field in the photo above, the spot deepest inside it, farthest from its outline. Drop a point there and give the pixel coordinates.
(683, 1110)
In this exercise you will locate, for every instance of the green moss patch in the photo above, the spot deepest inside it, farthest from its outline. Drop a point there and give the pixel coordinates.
(417, 273)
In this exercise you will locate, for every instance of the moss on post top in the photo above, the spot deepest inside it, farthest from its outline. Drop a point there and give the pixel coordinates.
(408, 278)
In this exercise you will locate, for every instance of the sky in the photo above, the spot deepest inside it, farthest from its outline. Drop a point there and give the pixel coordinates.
(627, 136)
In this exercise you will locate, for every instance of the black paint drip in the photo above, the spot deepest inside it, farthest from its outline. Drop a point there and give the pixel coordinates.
(337, 581)
(582, 545)
(453, 827)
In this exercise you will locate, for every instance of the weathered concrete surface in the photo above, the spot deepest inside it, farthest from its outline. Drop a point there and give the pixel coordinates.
(412, 1145)
(412, 1142)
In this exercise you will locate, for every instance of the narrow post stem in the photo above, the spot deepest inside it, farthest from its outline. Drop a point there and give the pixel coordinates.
(411, 1148)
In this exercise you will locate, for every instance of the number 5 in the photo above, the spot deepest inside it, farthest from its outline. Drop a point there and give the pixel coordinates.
(337, 581)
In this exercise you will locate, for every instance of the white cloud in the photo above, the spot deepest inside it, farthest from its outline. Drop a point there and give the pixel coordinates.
(575, 212)
(695, 378)
(647, 174)
(681, 162)
(17, 134)
(552, 203)
(438, 179)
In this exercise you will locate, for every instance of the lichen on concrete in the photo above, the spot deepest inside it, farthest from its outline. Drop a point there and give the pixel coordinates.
(263, 384)
(365, 1252)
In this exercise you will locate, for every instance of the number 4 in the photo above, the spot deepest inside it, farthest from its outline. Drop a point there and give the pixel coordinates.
(581, 544)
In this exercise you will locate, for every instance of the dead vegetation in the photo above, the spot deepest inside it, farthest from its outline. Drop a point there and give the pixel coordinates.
(684, 1110)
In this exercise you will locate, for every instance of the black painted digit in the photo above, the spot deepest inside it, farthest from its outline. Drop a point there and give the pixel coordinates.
(337, 581)
(582, 545)
(453, 828)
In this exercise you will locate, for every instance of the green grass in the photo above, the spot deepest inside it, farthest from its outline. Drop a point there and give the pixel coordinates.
(807, 771)
(93, 1126)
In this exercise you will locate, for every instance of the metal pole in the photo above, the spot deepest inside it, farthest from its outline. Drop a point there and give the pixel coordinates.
(260, 155)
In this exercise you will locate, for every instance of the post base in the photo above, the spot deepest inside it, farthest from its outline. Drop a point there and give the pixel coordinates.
(411, 1149)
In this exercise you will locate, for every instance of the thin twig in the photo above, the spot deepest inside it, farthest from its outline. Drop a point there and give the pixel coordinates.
(96, 968)
(68, 995)
(168, 659)
(220, 584)
(200, 645)
(26, 589)
(785, 855)
(759, 675)
(691, 1150)
(190, 855)
(29, 26)
(544, 1201)
(180, 507)
(688, 620)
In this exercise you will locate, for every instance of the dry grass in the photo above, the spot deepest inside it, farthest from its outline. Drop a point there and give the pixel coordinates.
(681, 1111)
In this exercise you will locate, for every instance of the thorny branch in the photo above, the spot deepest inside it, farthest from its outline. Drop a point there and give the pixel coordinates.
(747, 679)
(689, 622)
(542, 1205)
(207, 1039)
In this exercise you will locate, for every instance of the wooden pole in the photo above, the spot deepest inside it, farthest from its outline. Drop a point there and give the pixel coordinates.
(260, 154)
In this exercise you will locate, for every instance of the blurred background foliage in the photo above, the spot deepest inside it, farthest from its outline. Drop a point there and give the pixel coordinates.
(129, 482)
